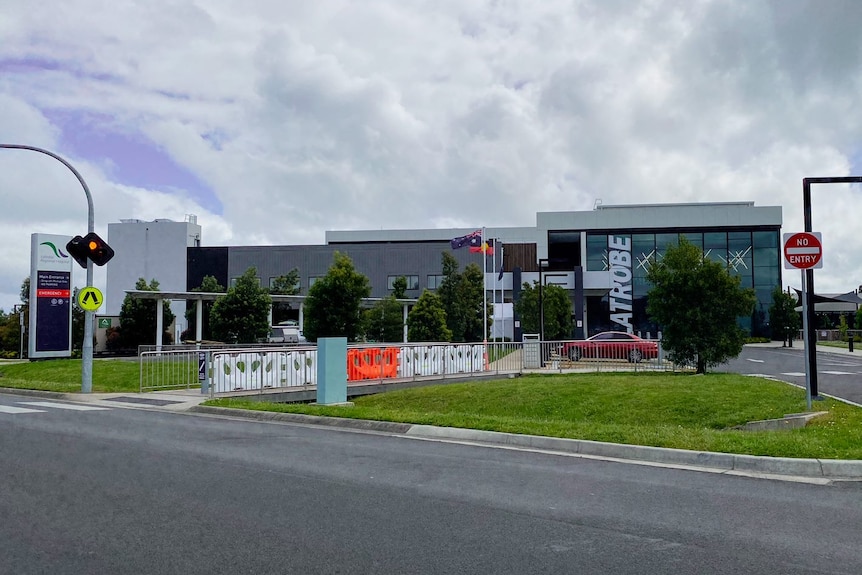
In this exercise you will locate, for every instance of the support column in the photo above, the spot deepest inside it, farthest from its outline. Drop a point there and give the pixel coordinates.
(199, 321)
(160, 328)
(404, 321)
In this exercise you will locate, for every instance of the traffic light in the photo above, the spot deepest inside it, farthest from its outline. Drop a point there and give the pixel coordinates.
(90, 247)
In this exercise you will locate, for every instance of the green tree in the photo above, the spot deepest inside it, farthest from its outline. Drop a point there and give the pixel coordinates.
(449, 293)
(385, 321)
(399, 287)
(557, 307)
(286, 284)
(472, 296)
(242, 315)
(859, 318)
(427, 319)
(696, 302)
(783, 317)
(209, 284)
(138, 318)
(9, 342)
(333, 305)
(78, 320)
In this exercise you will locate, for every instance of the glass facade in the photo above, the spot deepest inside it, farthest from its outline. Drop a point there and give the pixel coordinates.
(752, 255)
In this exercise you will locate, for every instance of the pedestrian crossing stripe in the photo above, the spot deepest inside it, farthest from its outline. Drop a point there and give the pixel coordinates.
(794, 374)
(838, 372)
(69, 406)
(13, 409)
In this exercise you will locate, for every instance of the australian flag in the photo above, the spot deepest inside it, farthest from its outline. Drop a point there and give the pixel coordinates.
(472, 240)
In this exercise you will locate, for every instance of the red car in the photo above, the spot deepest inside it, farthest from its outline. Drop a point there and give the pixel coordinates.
(612, 345)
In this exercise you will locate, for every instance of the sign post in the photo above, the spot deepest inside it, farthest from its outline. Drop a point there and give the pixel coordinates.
(804, 251)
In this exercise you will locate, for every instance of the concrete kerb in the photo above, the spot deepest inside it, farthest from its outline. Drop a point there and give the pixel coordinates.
(728, 462)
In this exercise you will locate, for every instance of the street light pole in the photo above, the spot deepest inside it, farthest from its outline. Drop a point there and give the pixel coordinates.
(87, 345)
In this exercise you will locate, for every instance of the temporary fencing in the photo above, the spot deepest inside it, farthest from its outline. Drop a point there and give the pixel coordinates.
(262, 368)
(372, 363)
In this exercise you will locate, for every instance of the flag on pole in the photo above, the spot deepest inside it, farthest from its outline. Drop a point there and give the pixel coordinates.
(479, 247)
(474, 239)
(500, 276)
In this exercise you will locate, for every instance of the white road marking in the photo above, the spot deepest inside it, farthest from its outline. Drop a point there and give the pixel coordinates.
(11, 409)
(839, 372)
(69, 406)
(755, 360)
(794, 374)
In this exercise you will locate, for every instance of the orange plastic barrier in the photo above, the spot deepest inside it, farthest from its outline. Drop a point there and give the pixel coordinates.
(372, 363)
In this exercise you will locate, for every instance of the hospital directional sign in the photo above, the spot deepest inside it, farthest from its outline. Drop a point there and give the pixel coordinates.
(90, 299)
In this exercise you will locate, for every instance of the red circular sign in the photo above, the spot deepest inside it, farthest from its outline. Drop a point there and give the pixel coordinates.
(803, 250)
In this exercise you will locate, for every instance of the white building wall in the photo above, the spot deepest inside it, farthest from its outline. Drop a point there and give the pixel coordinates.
(149, 250)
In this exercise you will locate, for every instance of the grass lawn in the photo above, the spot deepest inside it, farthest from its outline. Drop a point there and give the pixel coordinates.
(663, 410)
(64, 375)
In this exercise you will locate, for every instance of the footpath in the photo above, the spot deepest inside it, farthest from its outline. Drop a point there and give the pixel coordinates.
(823, 471)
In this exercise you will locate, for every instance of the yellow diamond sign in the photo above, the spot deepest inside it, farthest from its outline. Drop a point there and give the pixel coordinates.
(90, 299)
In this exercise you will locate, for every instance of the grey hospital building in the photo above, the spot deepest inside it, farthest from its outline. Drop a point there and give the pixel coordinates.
(599, 256)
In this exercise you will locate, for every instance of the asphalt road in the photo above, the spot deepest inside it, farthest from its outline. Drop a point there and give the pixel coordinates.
(837, 374)
(131, 491)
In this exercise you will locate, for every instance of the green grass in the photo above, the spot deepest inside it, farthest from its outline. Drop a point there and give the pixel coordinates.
(64, 375)
(663, 410)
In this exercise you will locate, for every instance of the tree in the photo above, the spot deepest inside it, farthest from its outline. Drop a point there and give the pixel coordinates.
(286, 284)
(384, 321)
(449, 293)
(462, 296)
(783, 318)
(242, 315)
(427, 319)
(472, 295)
(399, 287)
(332, 308)
(696, 302)
(859, 318)
(138, 317)
(557, 307)
(209, 284)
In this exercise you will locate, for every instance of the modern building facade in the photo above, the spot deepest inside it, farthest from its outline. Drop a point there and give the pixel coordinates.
(600, 257)
(149, 250)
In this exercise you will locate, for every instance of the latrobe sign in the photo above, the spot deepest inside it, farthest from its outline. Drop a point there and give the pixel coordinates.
(620, 266)
(50, 297)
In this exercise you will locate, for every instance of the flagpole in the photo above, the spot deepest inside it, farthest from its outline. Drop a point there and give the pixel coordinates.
(494, 287)
(502, 297)
(484, 299)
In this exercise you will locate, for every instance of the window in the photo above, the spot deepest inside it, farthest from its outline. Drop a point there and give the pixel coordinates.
(312, 279)
(434, 281)
(412, 282)
(236, 279)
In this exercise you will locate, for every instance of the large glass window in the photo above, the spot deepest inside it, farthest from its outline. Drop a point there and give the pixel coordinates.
(663, 241)
(434, 281)
(766, 250)
(412, 282)
(597, 252)
(715, 246)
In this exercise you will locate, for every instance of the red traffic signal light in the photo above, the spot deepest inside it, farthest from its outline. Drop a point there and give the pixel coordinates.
(90, 247)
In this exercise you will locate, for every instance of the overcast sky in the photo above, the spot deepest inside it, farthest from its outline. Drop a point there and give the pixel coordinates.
(275, 120)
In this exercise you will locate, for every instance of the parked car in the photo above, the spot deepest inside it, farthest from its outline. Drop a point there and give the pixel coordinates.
(612, 345)
(285, 333)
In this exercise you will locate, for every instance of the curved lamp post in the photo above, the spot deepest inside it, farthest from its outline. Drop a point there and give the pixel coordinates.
(87, 347)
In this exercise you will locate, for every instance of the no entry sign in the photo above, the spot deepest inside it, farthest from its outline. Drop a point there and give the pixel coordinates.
(803, 251)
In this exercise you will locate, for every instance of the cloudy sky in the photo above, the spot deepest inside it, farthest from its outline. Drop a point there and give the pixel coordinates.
(275, 120)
